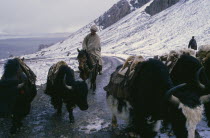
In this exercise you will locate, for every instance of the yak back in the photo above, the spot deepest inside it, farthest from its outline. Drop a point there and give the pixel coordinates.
(54, 69)
(55, 79)
(65, 70)
(149, 83)
(148, 86)
(151, 76)
(13, 68)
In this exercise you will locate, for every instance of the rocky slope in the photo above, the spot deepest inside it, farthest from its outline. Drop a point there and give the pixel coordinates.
(125, 7)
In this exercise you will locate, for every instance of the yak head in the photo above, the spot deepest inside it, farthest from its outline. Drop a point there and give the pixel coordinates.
(80, 91)
(187, 103)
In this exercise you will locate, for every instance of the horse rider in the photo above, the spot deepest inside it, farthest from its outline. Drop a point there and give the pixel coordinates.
(192, 43)
(92, 45)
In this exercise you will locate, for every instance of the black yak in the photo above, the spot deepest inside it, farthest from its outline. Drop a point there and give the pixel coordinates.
(63, 88)
(150, 96)
(17, 90)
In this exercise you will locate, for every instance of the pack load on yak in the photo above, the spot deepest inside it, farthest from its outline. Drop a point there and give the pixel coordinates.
(170, 59)
(122, 77)
(29, 73)
(53, 71)
(203, 53)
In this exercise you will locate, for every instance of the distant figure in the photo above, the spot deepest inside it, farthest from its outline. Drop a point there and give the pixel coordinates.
(192, 43)
(92, 45)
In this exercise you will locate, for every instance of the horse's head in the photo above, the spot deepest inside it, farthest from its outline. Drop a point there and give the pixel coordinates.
(82, 58)
(83, 67)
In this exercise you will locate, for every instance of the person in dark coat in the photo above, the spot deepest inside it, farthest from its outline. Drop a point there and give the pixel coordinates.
(192, 43)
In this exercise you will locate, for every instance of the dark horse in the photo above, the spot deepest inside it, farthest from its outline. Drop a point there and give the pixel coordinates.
(88, 66)
(16, 92)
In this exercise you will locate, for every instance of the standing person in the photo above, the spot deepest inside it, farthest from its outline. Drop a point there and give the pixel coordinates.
(92, 45)
(192, 43)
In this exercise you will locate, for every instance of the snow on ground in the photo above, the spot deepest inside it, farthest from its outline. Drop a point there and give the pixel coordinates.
(94, 126)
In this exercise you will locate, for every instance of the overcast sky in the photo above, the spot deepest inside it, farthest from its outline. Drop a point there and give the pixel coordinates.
(49, 16)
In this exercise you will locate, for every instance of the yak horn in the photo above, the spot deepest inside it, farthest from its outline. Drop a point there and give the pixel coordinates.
(169, 95)
(64, 82)
(172, 90)
(20, 85)
(205, 99)
(174, 100)
(198, 80)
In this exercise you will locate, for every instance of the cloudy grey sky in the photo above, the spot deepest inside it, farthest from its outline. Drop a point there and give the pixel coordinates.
(49, 16)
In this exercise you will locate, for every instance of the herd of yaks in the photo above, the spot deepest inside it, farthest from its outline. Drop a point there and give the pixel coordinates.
(172, 89)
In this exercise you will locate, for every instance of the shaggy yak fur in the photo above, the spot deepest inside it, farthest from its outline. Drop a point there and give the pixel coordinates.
(65, 89)
(16, 93)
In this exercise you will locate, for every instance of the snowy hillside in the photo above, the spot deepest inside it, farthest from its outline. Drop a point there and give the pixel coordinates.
(140, 33)
(136, 34)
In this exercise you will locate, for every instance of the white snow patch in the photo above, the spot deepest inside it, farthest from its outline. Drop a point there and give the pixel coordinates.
(94, 126)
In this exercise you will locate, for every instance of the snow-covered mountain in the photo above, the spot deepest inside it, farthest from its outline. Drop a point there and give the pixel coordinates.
(141, 33)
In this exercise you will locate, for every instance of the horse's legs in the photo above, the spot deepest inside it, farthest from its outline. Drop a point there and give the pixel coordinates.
(94, 81)
(114, 121)
(93, 84)
(94, 76)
